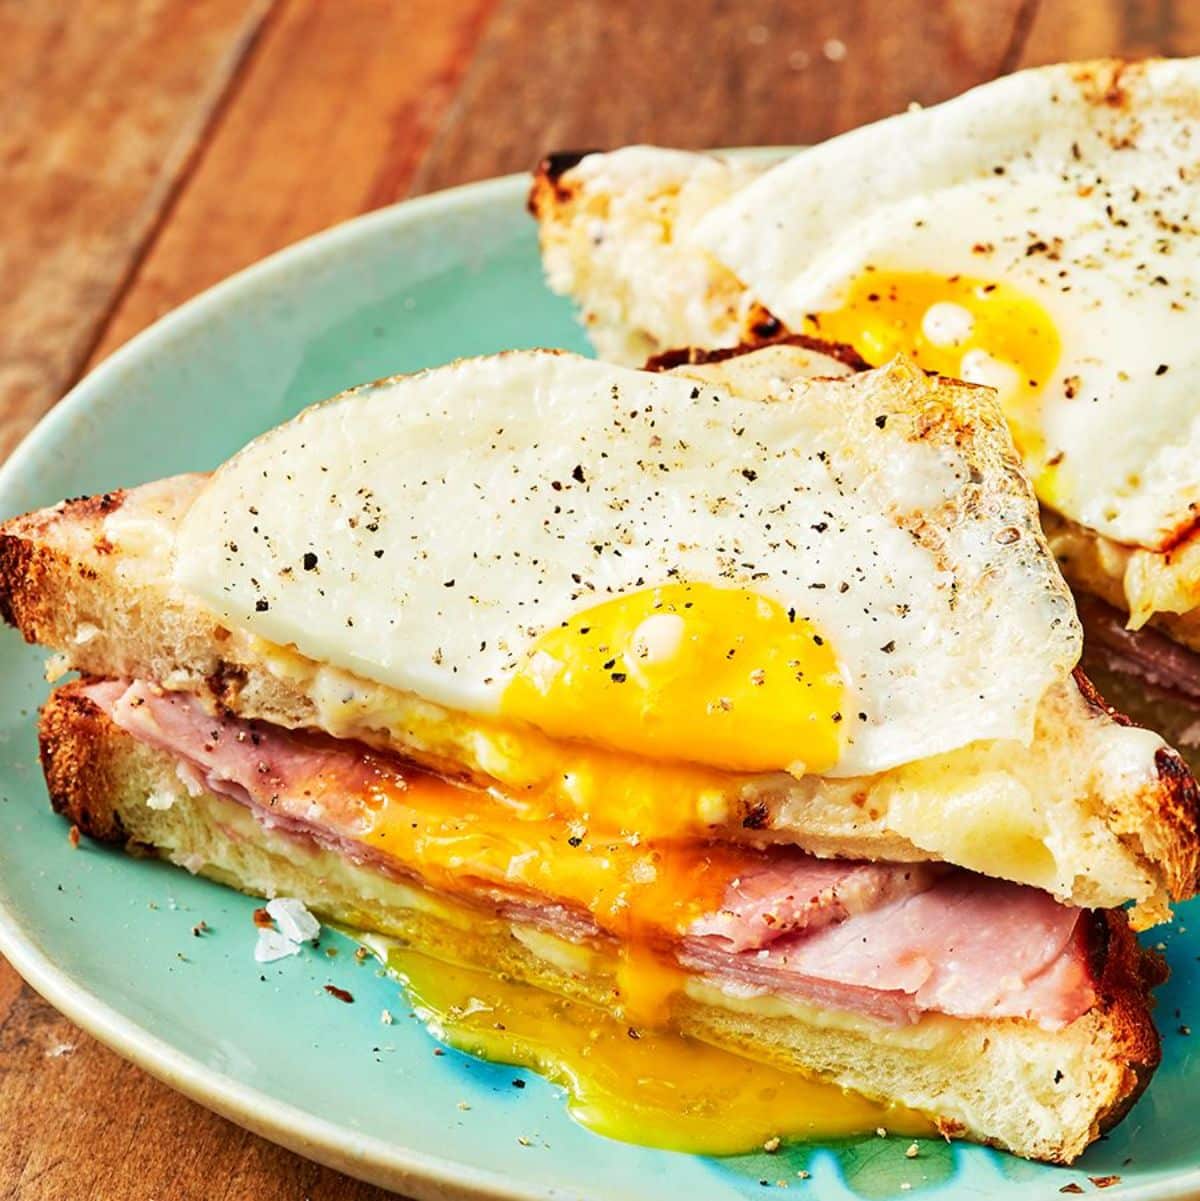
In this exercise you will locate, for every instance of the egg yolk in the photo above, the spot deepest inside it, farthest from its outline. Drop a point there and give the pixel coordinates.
(630, 886)
(690, 672)
(658, 1089)
(644, 893)
(965, 328)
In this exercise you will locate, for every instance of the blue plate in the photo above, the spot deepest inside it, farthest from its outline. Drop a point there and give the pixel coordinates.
(107, 939)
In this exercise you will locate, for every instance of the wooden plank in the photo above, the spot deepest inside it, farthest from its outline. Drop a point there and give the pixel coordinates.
(1077, 29)
(568, 76)
(331, 119)
(100, 111)
(77, 1121)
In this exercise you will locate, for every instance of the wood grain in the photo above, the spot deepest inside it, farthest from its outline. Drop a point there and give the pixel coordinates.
(78, 1122)
(331, 119)
(99, 115)
(157, 145)
(708, 73)
(1077, 29)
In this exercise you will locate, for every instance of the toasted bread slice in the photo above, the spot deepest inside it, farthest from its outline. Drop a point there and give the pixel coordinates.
(1042, 1094)
(614, 238)
(1092, 811)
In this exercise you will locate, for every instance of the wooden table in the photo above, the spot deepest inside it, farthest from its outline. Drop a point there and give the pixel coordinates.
(148, 148)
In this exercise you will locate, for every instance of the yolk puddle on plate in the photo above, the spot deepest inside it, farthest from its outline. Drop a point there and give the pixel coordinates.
(965, 328)
(651, 1087)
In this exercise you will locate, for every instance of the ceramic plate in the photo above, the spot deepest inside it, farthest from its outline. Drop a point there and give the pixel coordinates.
(107, 939)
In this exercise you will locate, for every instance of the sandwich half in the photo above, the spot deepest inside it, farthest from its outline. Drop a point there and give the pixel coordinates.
(738, 699)
(1035, 234)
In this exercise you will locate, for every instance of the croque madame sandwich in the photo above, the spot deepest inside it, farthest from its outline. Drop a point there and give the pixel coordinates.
(1037, 234)
(737, 699)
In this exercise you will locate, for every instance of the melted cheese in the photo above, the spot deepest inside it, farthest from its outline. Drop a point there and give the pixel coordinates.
(655, 1088)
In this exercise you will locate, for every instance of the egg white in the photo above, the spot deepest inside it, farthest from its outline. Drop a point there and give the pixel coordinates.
(1075, 184)
(422, 532)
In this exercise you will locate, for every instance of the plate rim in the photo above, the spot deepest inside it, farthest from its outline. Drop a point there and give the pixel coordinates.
(365, 1157)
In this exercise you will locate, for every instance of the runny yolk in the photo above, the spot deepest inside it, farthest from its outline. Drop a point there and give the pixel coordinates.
(965, 328)
(645, 894)
(691, 673)
(658, 1089)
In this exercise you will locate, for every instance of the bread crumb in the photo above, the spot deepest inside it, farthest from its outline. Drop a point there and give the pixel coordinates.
(523, 1140)
(73, 836)
(463, 1105)
(386, 1017)
(881, 1131)
(834, 50)
(771, 1145)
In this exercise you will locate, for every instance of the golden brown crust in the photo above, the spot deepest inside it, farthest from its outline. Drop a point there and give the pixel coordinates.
(1127, 975)
(1164, 818)
(74, 742)
(547, 188)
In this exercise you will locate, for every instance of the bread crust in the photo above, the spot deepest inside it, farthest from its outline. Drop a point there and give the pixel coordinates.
(1088, 1074)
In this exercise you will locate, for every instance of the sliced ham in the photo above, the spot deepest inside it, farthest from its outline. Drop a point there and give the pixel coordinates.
(785, 893)
(890, 940)
(968, 946)
(1145, 653)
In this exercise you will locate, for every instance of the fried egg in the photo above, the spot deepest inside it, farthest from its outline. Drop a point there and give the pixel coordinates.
(835, 578)
(1038, 235)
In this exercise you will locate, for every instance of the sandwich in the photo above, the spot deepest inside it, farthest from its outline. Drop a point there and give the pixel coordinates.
(1036, 234)
(737, 699)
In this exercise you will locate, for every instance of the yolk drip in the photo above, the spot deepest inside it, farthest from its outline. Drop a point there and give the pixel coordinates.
(688, 672)
(965, 328)
(644, 893)
(659, 1089)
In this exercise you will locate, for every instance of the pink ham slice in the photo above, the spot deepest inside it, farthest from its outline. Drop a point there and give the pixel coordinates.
(787, 891)
(968, 946)
(890, 940)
